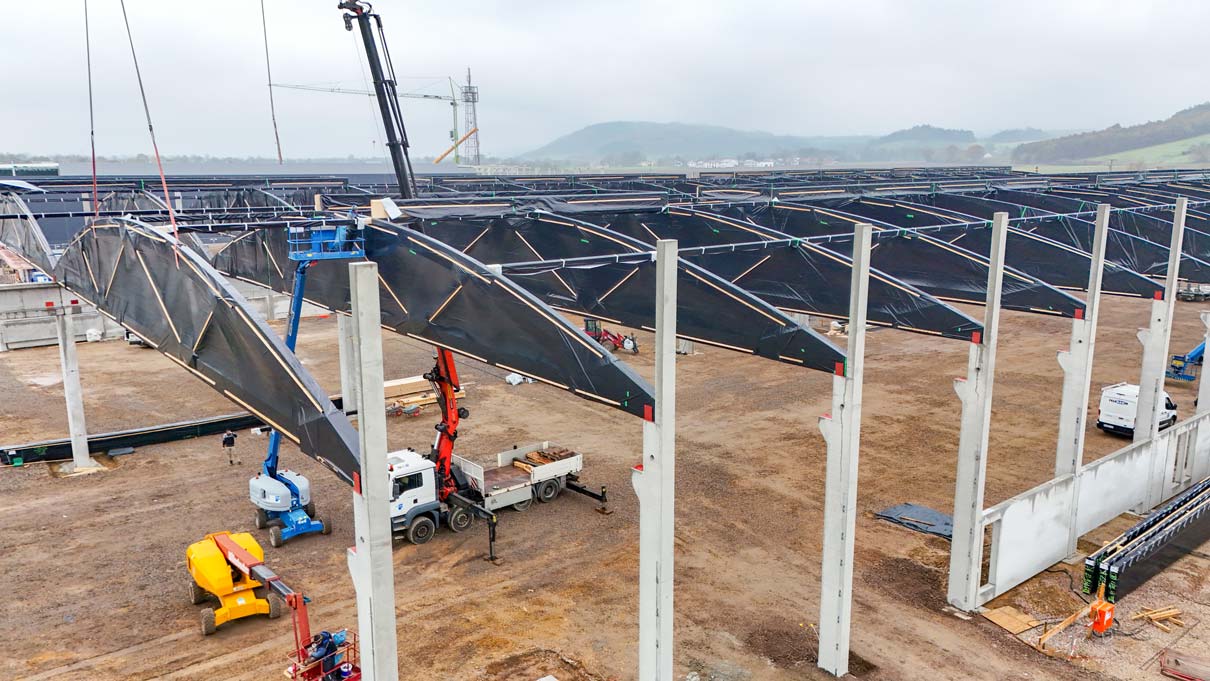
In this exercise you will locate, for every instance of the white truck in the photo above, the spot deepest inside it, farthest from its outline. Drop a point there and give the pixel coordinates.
(1119, 404)
(538, 471)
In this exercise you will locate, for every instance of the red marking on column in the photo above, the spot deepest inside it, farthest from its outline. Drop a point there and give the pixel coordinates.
(1159, 295)
(648, 413)
(357, 482)
(976, 337)
(1080, 313)
(839, 370)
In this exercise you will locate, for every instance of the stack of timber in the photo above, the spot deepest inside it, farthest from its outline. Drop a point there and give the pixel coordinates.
(1107, 566)
(543, 456)
(1160, 617)
(407, 392)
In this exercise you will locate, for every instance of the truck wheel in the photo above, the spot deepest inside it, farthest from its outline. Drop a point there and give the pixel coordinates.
(548, 490)
(459, 519)
(262, 518)
(421, 530)
(309, 509)
(326, 525)
(610, 345)
(197, 595)
(275, 539)
(208, 625)
(276, 604)
(523, 505)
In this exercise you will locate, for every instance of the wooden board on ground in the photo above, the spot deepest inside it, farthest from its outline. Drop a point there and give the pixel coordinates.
(1010, 619)
(1180, 665)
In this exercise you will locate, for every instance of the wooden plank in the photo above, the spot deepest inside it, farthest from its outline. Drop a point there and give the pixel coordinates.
(1061, 626)
(1010, 619)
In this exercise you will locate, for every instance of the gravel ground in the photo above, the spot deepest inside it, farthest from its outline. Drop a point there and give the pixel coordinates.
(101, 558)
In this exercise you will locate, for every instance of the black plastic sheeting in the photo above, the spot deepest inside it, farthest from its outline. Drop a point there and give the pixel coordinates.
(1027, 251)
(1123, 252)
(709, 309)
(795, 278)
(455, 208)
(949, 272)
(803, 277)
(1127, 246)
(438, 295)
(174, 299)
(691, 228)
(626, 295)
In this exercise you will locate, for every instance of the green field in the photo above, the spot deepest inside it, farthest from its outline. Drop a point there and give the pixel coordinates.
(1169, 154)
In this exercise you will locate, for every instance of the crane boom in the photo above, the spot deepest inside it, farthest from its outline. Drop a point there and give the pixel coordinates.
(384, 90)
(366, 93)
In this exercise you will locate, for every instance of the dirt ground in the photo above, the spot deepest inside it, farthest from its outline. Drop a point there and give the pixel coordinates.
(94, 565)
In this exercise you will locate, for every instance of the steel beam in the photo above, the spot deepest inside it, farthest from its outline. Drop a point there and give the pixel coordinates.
(370, 561)
(1155, 340)
(654, 483)
(842, 433)
(975, 391)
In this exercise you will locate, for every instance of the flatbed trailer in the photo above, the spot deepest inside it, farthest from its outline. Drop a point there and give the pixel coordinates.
(539, 471)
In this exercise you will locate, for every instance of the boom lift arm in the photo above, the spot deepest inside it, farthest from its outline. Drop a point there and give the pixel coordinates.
(444, 378)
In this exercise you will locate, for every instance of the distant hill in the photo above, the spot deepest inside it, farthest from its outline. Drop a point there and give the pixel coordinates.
(631, 141)
(1015, 135)
(927, 134)
(1183, 125)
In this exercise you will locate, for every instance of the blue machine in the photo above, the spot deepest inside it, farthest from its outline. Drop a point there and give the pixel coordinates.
(1184, 367)
(283, 497)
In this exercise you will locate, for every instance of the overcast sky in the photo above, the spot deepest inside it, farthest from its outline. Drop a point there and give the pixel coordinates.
(549, 67)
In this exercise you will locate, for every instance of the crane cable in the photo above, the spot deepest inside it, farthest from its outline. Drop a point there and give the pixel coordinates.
(269, 76)
(151, 130)
(92, 126)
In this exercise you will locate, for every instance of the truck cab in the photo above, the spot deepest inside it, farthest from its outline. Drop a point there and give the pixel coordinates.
(1119, 405)
(413, 489)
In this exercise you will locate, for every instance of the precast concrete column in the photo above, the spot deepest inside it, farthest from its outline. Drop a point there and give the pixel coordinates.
(842, 434)
(1076, 361)
(350, 393)
(975, 391)
(1077, 374)
(654, 483)
(72, 392)
(1155, 340)
(1155, 337)
(370, 560)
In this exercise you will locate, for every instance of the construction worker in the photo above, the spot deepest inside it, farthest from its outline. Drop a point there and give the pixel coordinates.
(229, 447)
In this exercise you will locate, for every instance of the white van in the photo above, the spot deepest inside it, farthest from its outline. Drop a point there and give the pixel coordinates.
(1119, 403)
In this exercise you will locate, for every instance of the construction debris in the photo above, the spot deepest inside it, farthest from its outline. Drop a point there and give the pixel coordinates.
(1183, 666)
(1011, 619)
(919, 518)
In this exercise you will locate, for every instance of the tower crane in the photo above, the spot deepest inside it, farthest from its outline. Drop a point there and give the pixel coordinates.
(451, 98)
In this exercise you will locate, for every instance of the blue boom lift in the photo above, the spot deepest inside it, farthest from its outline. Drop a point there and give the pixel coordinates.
(1184, 367)
(283, 497)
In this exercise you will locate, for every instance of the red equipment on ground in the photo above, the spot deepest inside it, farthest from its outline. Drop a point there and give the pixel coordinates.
(612, 341)
(305, 665)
